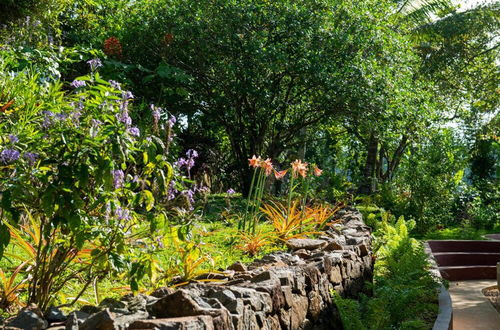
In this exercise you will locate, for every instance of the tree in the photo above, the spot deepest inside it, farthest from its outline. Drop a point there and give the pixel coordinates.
(264, 70)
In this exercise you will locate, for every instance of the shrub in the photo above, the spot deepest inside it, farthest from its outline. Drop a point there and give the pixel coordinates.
(404, 292)
(88, 177)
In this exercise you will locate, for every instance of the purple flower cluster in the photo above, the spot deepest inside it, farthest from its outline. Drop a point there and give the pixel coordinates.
(127, 95)
(172, 191)
(8, 156)
(230, 191)
(134, 131)
(118, 177)
(171, 121)
(189, 194)
(115, 84)
(123, 116)
(31, 157)
(122, 214)
(78, 83)
(156, 113)
(13, 138)
(94, 64)
(187, 162)
(51, 118)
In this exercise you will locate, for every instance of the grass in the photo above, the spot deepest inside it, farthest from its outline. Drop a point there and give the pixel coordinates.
(216, 233)
(459, 233)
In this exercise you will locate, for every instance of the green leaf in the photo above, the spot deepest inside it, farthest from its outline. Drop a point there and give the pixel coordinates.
(149, 199)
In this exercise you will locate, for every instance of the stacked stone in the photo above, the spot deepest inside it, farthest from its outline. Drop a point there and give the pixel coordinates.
(283, 290)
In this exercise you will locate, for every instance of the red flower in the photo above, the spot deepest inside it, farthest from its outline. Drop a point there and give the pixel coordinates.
(168, 38)
(112, 47)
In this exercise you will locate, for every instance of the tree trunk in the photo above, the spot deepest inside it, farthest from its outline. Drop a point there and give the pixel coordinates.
(369, 183)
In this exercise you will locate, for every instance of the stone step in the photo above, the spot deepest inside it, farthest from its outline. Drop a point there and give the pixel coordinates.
(464, 246)
(471, 272)
(467, 258)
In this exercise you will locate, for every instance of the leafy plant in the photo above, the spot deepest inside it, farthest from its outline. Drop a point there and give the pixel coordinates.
(404, 291)
(75, 163)
(10, 288)
(290, 222)
(252, 243)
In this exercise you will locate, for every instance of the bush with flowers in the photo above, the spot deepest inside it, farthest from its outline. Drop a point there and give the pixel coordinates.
(74, 165)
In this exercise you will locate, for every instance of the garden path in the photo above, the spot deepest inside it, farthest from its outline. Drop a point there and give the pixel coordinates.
(471, 309)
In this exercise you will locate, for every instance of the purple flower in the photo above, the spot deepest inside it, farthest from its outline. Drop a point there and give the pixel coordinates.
(171, 121)
(180, 163)
(127, 95)
(190, 196)
(13, 138)
(78, 83)
(48, 119)
(75, 117)
(122, 214)
(190, 163)
(134, 131)
(172, 191)
(230, 191)
(9, 156)
(156, 113)
(95, 123)
(61, 116)
(115, 85)
(31, 157)
(94, 63)
(118, 177)
(124, 118)
(192, 153)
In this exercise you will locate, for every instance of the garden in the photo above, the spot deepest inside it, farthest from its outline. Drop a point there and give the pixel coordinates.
(160, 150)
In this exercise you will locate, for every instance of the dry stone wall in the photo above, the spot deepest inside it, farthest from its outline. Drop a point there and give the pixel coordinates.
(283, 290)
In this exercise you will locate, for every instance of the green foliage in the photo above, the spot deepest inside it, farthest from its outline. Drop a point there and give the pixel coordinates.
(72, 161)
(349, 311)
(404, 292)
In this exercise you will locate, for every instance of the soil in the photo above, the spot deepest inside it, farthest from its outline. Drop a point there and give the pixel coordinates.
(493, 295)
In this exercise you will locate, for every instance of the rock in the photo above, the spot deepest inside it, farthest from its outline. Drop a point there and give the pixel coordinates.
(228, 299)
(216, 276)
(112, 304)
(89, 309)
(264, 276)
(363, 250)
(75, 319)
(162, 292)
(107, 320)
(138, 303)
(200, 322)
(54, 315)
(104, 320)
(238, 267)
(299, 311)
(30, 318)
(332, 246)
(288, 290)
(305, 243)
(302, 253)
(180, 303)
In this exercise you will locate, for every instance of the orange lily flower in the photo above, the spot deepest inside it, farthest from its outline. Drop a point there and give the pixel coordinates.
(279, 174)
(267, 166)
(255, 161)
(317, 171)
(299, 168)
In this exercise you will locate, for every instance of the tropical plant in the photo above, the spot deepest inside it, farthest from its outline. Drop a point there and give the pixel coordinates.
(84, 173)
(11, 287)
(252, 243)
(404, 291)
(291, 222)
